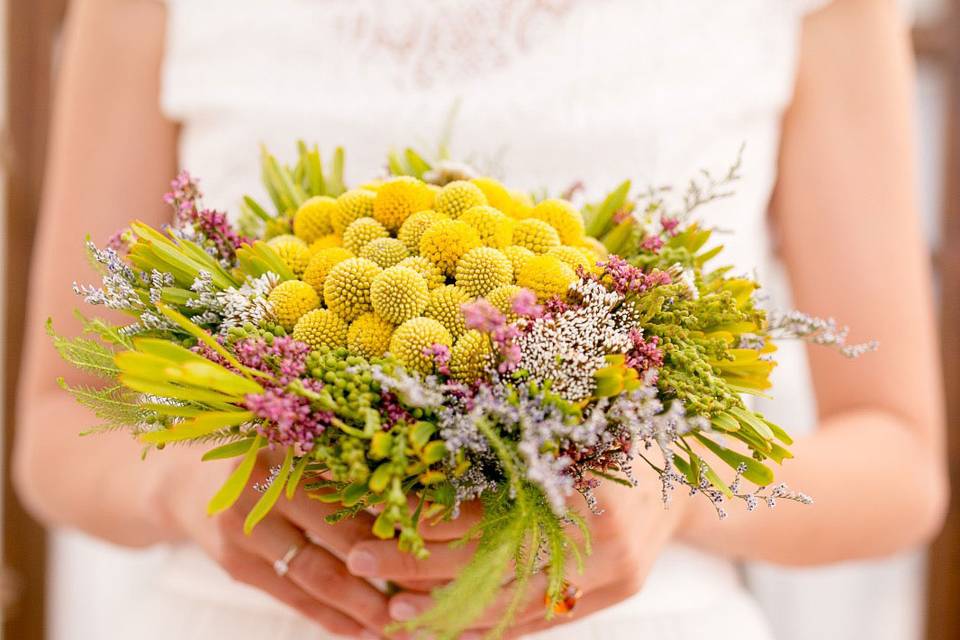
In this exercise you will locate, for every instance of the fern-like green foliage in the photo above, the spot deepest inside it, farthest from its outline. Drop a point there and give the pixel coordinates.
(84, 354)
(116, 405)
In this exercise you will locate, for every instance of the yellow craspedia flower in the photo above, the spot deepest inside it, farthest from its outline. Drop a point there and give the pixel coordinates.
(535, 235)
(522, 204)
(415, 336)
(596, 247)
(494, 227)
(573, 256)
(313, 218)
(426, 269)
(471, 356)
(562, 216)
(321, 328)
(398, 294)
(292, 250)
(346, 290)
(497, 195)
(482, 270)
(502, 299)
(361, 231)
(546, 276)
(517, 255)
(398, 198)
(325, 242)
(290, 300)
(444, 307)
(413, 227)
(352, 205)
(386, 252)
(320, 264)
(369, 336)
(458, 196)
(445, 242)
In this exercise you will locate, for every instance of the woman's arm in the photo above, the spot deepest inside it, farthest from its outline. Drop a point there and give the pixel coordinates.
(848, 226)
(112, 154)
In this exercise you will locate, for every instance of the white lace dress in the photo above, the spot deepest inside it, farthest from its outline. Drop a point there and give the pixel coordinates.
(546, 92)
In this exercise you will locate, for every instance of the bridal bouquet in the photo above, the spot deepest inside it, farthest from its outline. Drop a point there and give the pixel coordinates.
(434, 337)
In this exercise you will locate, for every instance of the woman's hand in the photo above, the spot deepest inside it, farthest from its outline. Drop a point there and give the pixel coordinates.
(626, 538)
(317, 583)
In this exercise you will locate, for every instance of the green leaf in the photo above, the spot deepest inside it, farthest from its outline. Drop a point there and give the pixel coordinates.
(756, 472)
(256, 209)
(383, 528)
(420, 434)
(749, 418)
(600, 221)
(202, 425)
(354, 493)
(199, 334)
(433, 453)
(380, 478)
(295, 476)
(229, 450)
(84, 354)
(230, 492)
(270, 496)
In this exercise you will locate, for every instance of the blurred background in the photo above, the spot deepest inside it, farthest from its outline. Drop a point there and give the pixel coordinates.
(913, 596)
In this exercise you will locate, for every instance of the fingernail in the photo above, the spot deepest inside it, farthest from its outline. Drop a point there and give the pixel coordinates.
(400, 611)
(362, 563)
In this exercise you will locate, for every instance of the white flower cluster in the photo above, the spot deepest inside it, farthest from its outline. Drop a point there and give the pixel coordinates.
(567, 349)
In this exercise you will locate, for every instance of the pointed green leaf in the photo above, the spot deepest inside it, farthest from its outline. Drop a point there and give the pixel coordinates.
(233, 487)
(270, 496)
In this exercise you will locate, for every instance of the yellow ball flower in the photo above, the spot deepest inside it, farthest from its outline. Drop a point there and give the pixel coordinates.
(290, 300)
(471, 356)
(325, 242)
(369, 336)
(502, 299)
(546, 276)
(497, 195)
(426, 269)
(413, 337)
(292, 250)
(361, 231)
(313, 218)
(320, 264)
(535, 235)
(444, 306)
(412, 229)
(522, 204)
(398, 294)
(494, 227)
(482, 270)
(398, 198)
(346, 290)
(517, 256)
(386, 252)
(562, 216)
(445, 242)
(595, 247)
(458, 196)
(572, 256)
(351, 206)
(321, 328)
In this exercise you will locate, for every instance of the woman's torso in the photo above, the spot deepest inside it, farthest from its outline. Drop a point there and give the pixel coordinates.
(546, 93)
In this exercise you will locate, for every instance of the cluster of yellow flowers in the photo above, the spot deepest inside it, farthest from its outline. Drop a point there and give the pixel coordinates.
(387, 267)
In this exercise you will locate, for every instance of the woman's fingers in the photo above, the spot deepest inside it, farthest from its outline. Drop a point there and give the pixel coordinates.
(258, 573)
(434, 529)
(382, 559)
(591, 603)
(309, 515)
(316, 572)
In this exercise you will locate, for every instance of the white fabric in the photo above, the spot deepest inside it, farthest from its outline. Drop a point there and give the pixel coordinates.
(549, 92)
